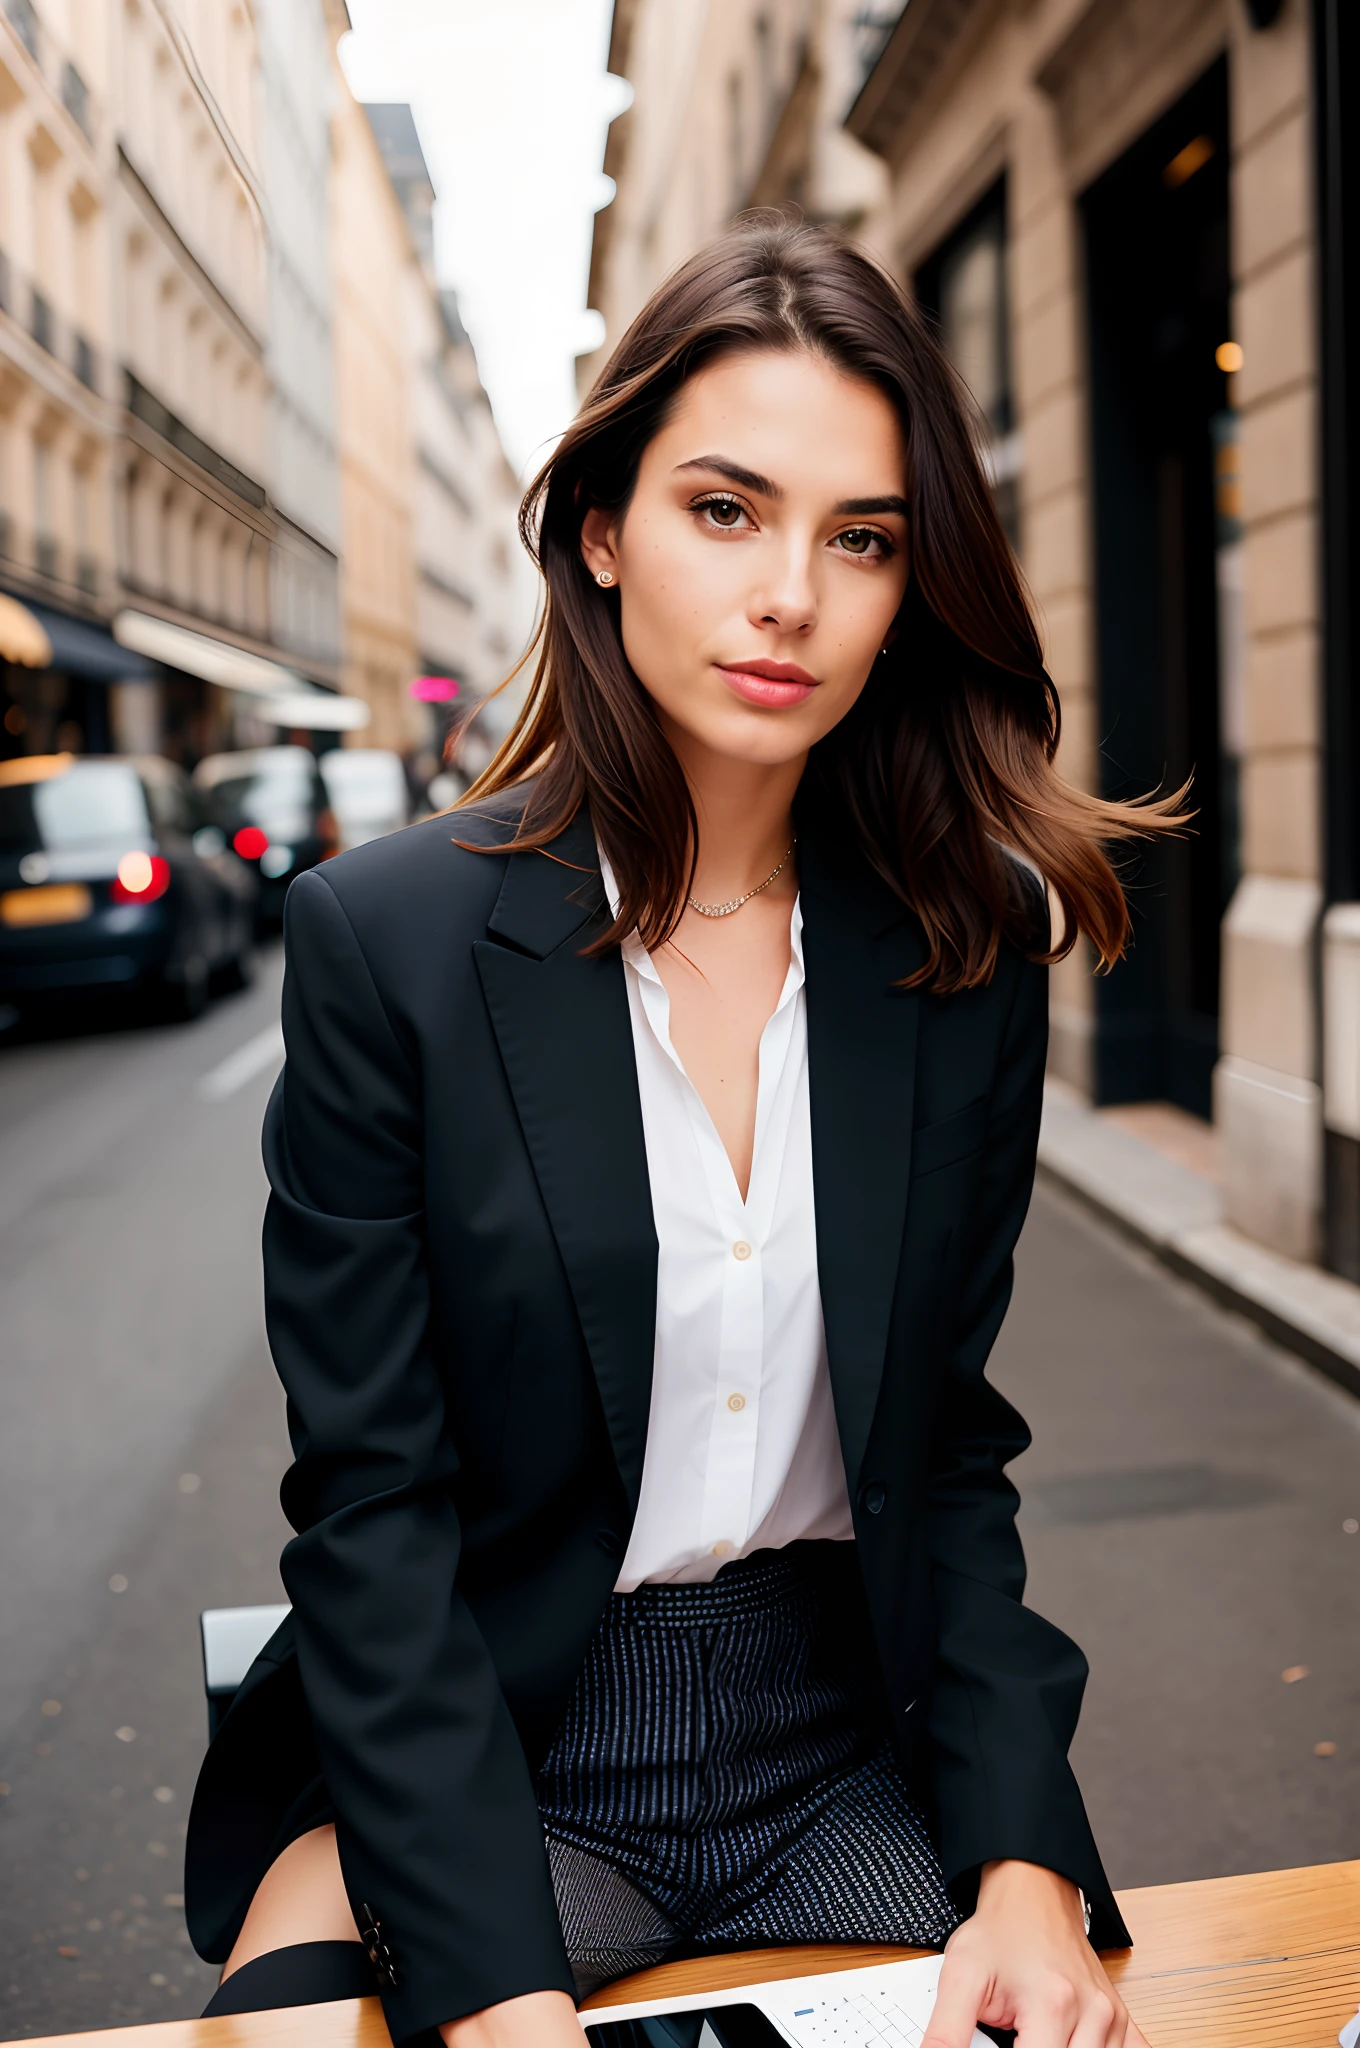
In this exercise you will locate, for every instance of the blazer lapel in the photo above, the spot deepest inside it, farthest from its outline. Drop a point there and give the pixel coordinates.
(858, 943)
(566, 1041)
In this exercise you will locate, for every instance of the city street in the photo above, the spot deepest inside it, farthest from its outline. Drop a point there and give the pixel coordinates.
(1190, 1515)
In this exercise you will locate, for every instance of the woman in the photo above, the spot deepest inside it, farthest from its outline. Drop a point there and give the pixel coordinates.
(653, 1141)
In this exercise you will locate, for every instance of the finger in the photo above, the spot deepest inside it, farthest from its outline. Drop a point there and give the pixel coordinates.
(958, 2002)
(1135, 2037)
(1101, 2024)
(1050, 2021)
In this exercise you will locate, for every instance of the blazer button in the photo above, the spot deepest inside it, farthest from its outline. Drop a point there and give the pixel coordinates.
(379, 1954)
(872, 1497)
(610, 1542)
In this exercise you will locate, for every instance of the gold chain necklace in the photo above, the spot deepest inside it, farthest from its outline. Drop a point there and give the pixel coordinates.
(726, 909)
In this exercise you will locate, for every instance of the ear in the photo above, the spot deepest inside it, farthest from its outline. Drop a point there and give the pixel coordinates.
(597, 543)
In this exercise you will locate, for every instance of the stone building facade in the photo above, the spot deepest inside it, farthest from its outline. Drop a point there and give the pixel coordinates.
(295, 94)
(372, 252)
(58, 364)
(224, 362)
(188, 239)
(466, 496)
(1112, 211)
(734, 105)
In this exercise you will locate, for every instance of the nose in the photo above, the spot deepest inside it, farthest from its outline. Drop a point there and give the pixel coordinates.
(786, 598)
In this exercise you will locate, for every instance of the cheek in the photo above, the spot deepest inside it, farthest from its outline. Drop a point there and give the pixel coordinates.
(672, 595)
(858, 616)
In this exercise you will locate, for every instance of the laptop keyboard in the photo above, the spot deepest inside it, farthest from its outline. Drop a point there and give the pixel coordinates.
(872, 2019)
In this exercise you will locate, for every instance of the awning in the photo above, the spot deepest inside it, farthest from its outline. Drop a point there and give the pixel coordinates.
(37, 636)
(283, 696)
(87, 650)
(216, 661)
(22, 638)
(317, 711)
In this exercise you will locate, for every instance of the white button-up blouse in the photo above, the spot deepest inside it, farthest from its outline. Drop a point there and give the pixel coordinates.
(742, 1451)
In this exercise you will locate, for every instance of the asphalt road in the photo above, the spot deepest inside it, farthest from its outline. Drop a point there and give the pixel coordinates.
(1185, 1512)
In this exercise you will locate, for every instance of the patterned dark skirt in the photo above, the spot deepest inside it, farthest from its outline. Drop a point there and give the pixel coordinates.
(723, 1778)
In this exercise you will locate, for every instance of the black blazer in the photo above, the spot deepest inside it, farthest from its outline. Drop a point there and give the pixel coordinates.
(460, 1271)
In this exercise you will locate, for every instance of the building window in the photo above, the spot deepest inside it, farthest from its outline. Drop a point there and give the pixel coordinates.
(42, 491)
(75, 97)
(963, 286)
(736, 137)
(25, 25)
(87, 568)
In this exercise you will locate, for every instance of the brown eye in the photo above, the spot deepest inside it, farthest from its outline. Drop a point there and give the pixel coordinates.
(865, 542)
(724, 512)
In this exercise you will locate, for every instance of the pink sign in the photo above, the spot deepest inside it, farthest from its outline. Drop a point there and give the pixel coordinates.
(433, 689)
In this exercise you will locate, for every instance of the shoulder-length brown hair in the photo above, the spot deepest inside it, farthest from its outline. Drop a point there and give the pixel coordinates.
(947, 757)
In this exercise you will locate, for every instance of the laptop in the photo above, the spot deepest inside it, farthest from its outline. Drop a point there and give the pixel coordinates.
(886, 2005)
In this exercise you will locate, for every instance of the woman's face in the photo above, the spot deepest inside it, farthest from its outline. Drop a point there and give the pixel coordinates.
(763, 556)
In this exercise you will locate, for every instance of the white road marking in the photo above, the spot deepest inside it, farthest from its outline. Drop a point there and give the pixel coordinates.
(250, 1059)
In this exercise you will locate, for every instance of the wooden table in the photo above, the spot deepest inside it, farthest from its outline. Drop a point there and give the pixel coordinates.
(1270, 1961)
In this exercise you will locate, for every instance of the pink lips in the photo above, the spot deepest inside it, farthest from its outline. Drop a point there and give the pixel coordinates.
(776, 685)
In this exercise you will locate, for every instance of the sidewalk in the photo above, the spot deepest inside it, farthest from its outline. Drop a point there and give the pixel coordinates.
(1177, 1213)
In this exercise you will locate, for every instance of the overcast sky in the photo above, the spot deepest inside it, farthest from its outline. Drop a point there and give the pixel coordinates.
(512, 101)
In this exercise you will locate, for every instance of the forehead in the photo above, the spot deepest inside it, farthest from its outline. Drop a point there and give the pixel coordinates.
(791, 416)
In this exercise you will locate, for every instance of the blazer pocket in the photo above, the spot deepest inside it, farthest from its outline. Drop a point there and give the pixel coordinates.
(951, 1139)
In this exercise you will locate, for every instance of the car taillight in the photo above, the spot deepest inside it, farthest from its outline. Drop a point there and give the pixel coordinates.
(250, 842)
(141, 878)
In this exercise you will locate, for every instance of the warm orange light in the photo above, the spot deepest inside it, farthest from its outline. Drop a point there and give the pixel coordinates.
(56, 903)
(33, 768)
(1229, 357)
(1187, 161)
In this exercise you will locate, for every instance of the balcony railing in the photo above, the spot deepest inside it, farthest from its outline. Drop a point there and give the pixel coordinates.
(29, 306)
(24, 22)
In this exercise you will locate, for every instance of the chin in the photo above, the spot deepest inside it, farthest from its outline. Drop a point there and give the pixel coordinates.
(761, 740)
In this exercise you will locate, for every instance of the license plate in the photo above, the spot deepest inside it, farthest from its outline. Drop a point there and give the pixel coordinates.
(57, 903)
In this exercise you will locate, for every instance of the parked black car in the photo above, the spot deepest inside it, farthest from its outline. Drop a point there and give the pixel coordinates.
(110, 878)
(271, 804)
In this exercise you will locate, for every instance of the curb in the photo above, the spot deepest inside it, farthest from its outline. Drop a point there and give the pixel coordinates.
(1177, 1215)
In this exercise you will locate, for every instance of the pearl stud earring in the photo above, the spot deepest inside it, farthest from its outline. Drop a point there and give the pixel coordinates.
(605, 577)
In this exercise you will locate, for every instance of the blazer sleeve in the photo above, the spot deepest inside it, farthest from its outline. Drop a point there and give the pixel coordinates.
(437, 1823)
(1008, 1685)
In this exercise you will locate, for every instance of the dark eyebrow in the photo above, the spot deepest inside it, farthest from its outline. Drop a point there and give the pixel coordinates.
(863, 507)
(749, 479)
(765, 487)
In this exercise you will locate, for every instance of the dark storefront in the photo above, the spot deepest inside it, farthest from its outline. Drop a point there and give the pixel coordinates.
(63, 705)
(1168, 578)
(1336, 45)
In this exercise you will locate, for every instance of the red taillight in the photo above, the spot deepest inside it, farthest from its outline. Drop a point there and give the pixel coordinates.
(141, 878)
(250, 842)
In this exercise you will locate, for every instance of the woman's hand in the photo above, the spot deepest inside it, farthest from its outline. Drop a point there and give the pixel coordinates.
(541, 2019)
(1023, 1961)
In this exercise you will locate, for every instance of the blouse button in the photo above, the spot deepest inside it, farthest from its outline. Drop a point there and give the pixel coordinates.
(741, 1250)
(721, 1549)
(736, 1402)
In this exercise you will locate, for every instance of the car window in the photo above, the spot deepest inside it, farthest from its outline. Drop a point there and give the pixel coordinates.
(92, 803)
(279, 790)
(168, 800)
